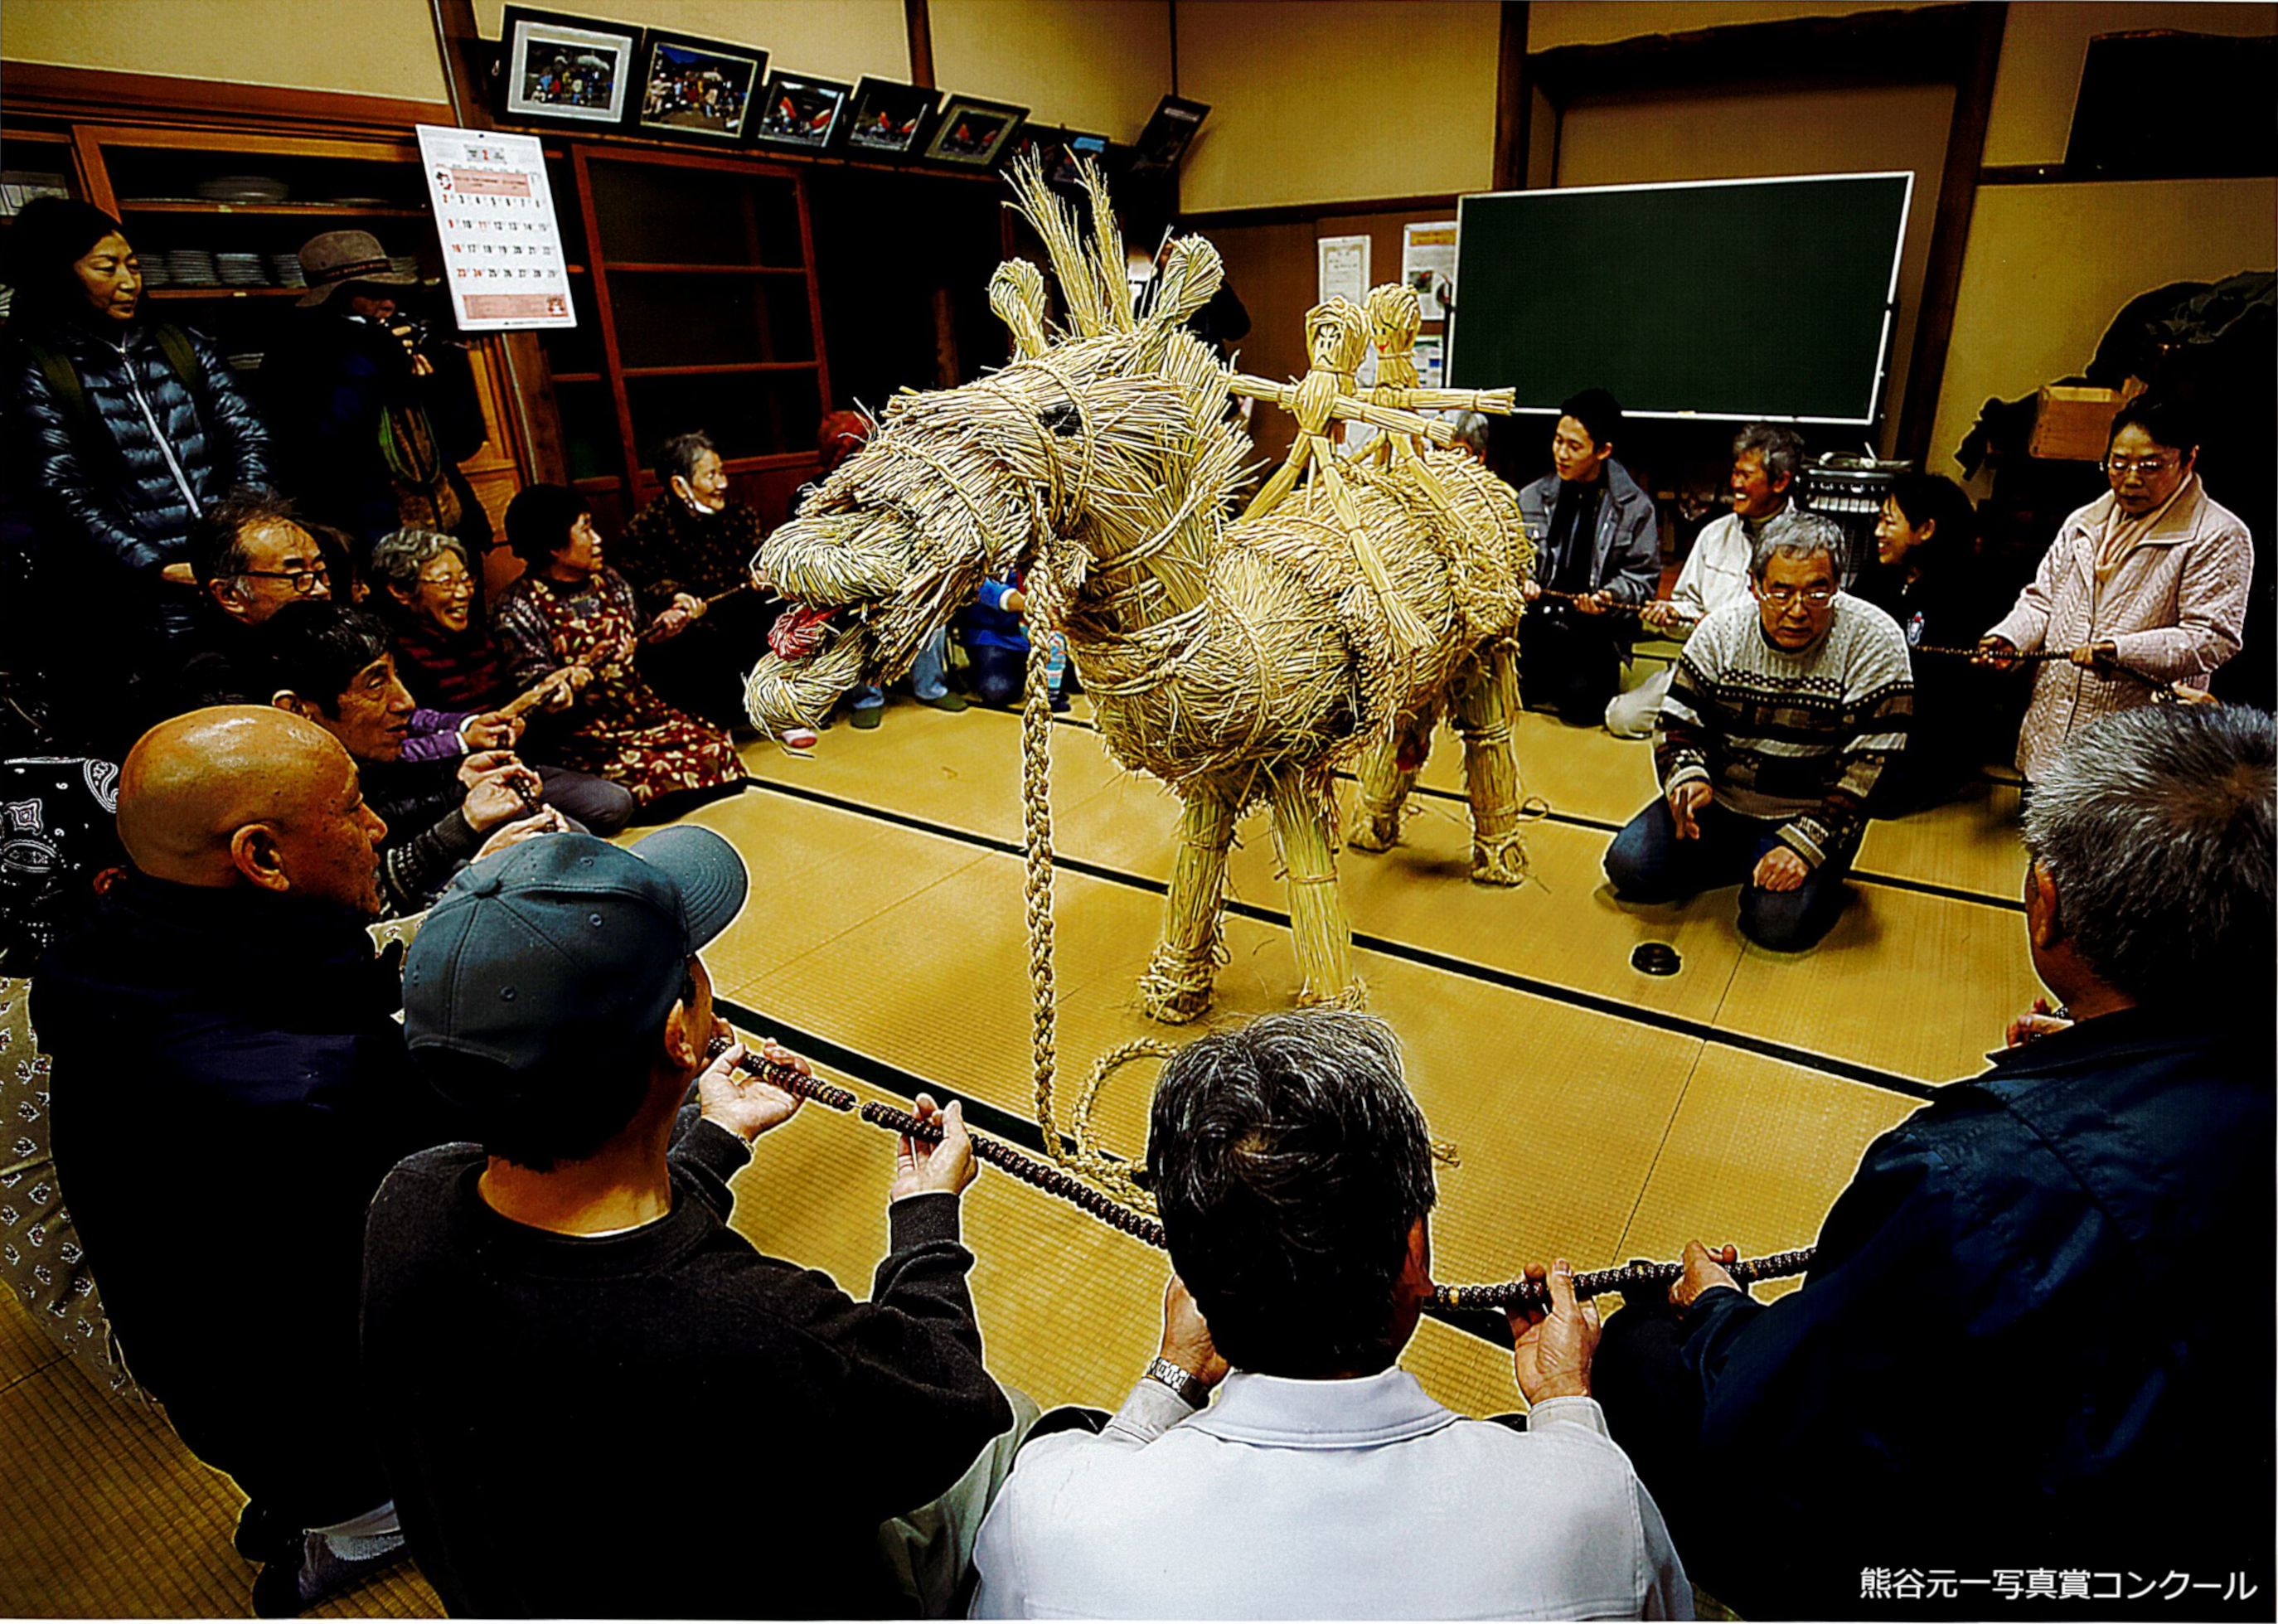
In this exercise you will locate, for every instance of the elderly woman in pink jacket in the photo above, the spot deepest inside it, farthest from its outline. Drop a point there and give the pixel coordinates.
(2142, 588)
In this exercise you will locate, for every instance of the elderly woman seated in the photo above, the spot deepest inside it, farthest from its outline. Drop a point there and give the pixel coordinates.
(425, 592)
(572, 618)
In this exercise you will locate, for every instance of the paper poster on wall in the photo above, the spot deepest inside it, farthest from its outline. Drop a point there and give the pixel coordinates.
(1431, 361)
(1344, 269)
(502, 257)
(1427, 264)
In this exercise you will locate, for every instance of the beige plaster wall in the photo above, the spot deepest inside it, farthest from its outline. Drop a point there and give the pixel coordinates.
(364, 47)
(2043, 48)
(838, 39)
(2049, 266)
(1552, 23)
(1096, 64)
(1338, 100)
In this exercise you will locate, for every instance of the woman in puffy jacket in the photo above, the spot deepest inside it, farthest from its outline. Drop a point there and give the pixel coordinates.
(121, 431)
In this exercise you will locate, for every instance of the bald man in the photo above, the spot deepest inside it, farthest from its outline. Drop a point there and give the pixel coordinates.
(230, 1087)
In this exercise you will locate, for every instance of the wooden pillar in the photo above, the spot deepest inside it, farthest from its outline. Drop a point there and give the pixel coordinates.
(1514, 104)
(530, 414)
(1949, 239)
(920, 22)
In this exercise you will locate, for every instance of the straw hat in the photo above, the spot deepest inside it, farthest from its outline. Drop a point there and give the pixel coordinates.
(340, 258)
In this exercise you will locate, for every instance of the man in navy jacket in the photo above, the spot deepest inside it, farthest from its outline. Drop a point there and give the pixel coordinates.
(2036, 1337)
(1597, 546)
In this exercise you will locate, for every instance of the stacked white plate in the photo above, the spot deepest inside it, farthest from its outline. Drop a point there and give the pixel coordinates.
(155, 273)
(240, 271)
(192, 267)
(243, 188)
(245, 361)
(285, 270)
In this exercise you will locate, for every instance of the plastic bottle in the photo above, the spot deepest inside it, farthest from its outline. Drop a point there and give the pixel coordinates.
(1056, 663)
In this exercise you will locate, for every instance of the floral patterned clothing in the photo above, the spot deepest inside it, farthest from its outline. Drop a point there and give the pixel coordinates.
(623, 731)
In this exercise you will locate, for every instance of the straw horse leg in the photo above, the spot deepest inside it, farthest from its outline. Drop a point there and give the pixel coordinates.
(1486, 699)
(1302, 806)
(1177, 984)
(1384, 786)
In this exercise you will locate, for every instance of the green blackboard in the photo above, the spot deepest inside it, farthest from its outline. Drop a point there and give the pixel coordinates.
(1769, 298)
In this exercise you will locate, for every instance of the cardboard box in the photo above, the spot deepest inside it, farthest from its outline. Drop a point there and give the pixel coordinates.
(2075, 424)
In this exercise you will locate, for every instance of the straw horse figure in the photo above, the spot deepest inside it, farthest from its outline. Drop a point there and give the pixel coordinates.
(1238, 663)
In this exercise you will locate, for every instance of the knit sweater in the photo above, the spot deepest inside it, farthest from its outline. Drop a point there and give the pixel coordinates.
(1795, 738)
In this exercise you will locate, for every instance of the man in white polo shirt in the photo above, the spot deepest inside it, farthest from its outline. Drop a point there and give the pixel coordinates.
(1293, 1171)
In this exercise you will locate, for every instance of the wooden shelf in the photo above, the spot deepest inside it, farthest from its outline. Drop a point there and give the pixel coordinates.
(726, 366)
(614, 267)
(223, 292)
(349, 212)
(564, 378)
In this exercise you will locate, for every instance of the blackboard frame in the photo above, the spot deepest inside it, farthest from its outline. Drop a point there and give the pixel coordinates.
(1868, 414)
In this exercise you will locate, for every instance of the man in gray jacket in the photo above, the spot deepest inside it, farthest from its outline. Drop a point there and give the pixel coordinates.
(1597, 547)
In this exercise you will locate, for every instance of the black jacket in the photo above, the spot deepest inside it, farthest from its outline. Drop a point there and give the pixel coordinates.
(2036, 1334)
(109, 501)
(327, 392)
(573, 1425)
(229, 1090)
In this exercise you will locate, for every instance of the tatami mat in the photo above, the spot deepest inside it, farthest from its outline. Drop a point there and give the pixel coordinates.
(1598, 1112)
(104, 1514)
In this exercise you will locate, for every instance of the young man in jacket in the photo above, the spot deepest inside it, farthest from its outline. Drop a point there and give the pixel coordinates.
(1597, 548)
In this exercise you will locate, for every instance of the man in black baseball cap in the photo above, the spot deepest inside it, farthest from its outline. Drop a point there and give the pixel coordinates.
(576, 1366)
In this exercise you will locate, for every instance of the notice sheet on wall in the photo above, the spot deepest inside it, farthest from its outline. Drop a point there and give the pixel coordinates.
(1344, 269)
(1427, 262)
(502, 257)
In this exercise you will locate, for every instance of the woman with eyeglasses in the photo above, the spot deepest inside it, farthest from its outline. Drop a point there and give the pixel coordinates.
(424, 592)
(121, 431)
(2143, 587)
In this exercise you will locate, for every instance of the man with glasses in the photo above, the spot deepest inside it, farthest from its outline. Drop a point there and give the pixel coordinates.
(250, 556)
(2145, 587)
(1784, 709)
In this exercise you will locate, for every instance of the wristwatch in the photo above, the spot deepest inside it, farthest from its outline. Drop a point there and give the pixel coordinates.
(1179, 1379)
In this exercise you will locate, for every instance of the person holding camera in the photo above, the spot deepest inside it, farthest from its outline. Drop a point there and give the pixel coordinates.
(373, 412)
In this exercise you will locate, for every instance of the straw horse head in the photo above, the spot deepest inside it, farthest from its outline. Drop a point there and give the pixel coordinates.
(1236, 663)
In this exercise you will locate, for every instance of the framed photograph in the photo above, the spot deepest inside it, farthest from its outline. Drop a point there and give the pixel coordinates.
(973, 134)
(1040, 141)
(573, 71)
(1164, 140)
(697, 90)
(1075, 145)
(888, 118)
(799, 111)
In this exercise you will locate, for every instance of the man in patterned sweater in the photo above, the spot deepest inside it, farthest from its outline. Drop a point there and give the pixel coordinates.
(1783, 712)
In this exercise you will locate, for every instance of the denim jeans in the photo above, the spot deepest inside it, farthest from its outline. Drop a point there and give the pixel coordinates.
(1647, 862)
(925, 675)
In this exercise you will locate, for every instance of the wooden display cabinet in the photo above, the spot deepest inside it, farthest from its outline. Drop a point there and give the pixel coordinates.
(698, 309)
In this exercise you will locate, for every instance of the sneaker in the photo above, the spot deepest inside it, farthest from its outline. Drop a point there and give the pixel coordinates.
(868, 716)
(299, 1579)
(943, 700)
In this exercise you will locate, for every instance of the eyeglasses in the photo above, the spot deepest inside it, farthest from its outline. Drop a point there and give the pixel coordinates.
(1817, 597)
(2120, 467)
(304, 581)
(451, 583)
